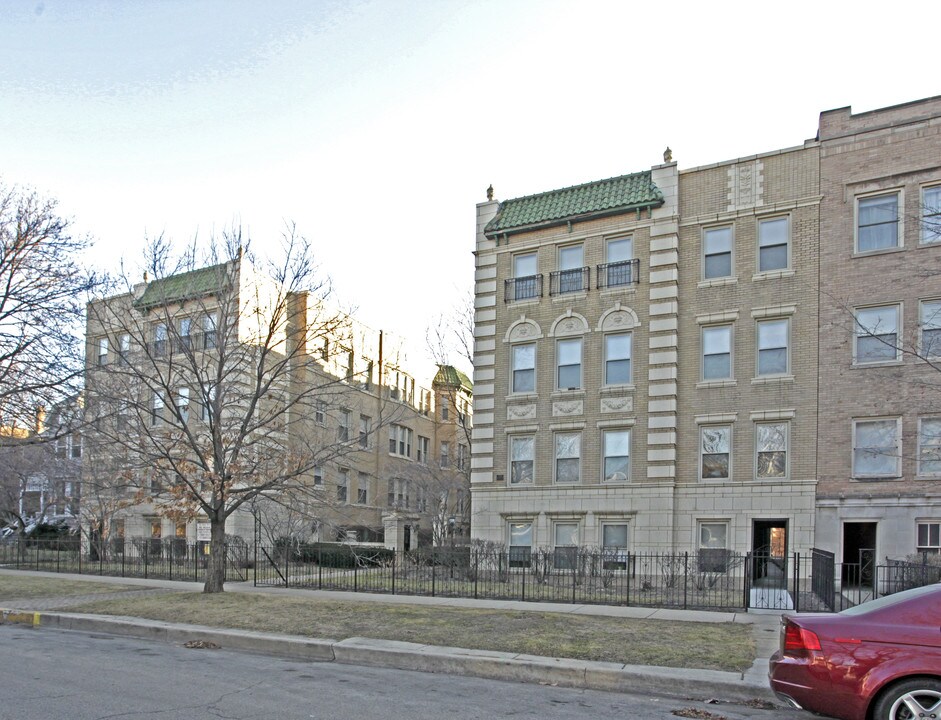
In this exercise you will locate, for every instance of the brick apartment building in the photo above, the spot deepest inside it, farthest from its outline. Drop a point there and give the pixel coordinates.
(647, 372)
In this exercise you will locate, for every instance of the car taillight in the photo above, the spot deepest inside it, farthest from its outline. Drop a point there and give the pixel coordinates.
(798, 640)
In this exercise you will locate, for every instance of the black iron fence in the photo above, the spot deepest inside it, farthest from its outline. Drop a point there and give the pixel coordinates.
(137, 557)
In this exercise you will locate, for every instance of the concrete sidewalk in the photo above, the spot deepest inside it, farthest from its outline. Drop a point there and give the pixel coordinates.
(682, 682)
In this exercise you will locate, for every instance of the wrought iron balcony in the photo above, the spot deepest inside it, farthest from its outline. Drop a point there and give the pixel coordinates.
(569, 281)
(617, 274)
(522, 288)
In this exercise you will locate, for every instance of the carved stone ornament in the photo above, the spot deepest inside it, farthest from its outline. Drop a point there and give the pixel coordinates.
(625, 403)
(524, 331)
(568, 407)
(521, 412)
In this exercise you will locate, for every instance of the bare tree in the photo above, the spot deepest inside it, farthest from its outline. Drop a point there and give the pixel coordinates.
(204, 382)
(43, 289)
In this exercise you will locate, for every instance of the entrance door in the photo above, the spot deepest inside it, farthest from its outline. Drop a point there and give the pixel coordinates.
(859, 553)
(769, 550)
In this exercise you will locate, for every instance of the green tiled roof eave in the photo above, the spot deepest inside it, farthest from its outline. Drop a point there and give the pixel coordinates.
(612, 196)
(184, 286)
(451, 376)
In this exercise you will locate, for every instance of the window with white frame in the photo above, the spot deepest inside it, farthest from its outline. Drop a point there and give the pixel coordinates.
(877, 334)
(320, 412)
(929, 538)
(619, 252)
(365, 428)
(771, 450)
(931, 214)
(103, 351)
(400, 440)
(318, 475)
(343, 485)
(183, 332)
(717, 352)
(523, 368)
(522, 454)
(617, 358)
(568, 450)
(772, 346)
(930, 324)
(422, 450)
(156, 414)
(209, 330)
(183, 402)
(362, 489)
(617, 455)
(571, 269)
(124, 348)
(929, 446)
(565, 545)
(461, 456)
(715, 452)
(526, 280)
(569, 360)
(773, 239)
(445, 458)
(876, 448)
(521, 543)
(344, 420)
(614, 545)
(877, 222)
(398, 493)
(160, 339)
(717, 252)
(713, 555)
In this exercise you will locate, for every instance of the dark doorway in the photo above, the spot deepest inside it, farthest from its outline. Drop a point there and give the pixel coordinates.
(859, 553)
(769, 550)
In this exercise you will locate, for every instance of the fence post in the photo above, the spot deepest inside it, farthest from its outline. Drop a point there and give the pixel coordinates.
(628, 571)
(146, 547)
(394, 555)
(685, 577)
(797, 590)
(319, 567)
(58, 553)
(287, 565)
(524, 580)
(170, 549)
(574, 578)
(432, 572)
(476, 571)
(355, 575)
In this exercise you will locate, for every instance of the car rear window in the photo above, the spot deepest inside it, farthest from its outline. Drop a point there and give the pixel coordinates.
(888, 601)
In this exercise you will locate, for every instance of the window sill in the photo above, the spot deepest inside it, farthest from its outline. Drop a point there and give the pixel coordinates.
(772, 380)
(524, 301)
(706, 384)
(882, 363)
(629, 289)
(880, 251)
(875, 478)
(713, 282)
(773, 274)
(574, 295)
(616, 390)
(568, 394)
(522, 397)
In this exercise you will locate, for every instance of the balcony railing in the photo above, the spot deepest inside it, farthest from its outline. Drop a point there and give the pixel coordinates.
(618, 274)
(522, 288)
(569, 281)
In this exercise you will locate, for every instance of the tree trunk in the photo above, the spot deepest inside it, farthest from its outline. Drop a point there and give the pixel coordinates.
(215, 571)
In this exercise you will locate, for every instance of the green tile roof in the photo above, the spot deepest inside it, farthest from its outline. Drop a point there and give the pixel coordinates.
(452, 377)
(579, 202)
(184, 286)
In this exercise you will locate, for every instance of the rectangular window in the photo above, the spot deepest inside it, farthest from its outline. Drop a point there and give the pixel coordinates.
(717, 252)
(877, 333)
(930, 322)
(422, 451)
(156, 414)
(773, 244)
(344, 420)
(521, 460)
(715, 452)
(160, 340)
(619, 252)
(365, 427)
(320, 412)
(523, 368)
(184, 332)
(717, 352)
(124, 348)
(318, 475)
(75, 446)
(876, 448)
(931, 214)
(444, 409)
(568, 450)
(461, 456)
(617, 455)
(103, 351)
(445, 454)
(565, 545)
(929, 446)
(521, 543)
(877, 222)
(614, 546)
(400, 440)
(771, 450)
(526, 279)
(362, 489)
(209, 330)
(343, 485)
(772, 347)
(929, 537)
(571, 269)
(617, 358)
(713, 553)
(183, 402)
(569, 356)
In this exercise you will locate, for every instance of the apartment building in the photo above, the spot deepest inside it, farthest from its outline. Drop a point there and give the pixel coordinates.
(736, 356)
(221, 359)
(879, 491)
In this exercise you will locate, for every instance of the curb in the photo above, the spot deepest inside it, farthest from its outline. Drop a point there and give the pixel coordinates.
(582, 674)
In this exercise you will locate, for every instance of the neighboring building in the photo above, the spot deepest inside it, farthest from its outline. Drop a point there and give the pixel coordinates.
(879, 491)
(348, 397)
(646, 362)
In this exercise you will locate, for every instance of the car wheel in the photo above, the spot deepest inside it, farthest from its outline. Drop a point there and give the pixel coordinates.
(910, 700)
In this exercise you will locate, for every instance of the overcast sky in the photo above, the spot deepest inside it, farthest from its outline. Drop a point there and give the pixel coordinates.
(376, 126)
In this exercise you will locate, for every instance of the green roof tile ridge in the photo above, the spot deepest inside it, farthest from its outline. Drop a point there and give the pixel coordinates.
(183, 286)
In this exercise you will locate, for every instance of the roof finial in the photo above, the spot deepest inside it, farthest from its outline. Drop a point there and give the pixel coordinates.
(668, 155)
(490, 192)
(146, 276)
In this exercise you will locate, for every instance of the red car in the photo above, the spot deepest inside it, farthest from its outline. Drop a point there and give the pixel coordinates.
(877, 661)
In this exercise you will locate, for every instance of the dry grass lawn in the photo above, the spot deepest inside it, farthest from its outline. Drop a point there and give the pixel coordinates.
(23, 587)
